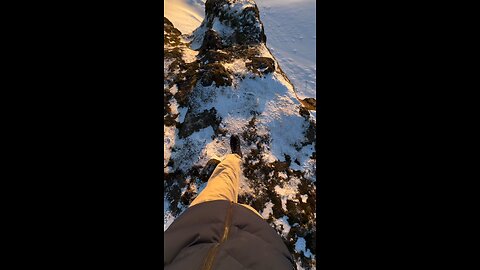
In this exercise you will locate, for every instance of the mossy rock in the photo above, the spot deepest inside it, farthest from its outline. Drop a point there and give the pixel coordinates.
(280, 166)
(242, 51)
(249, 30)
(169, 120)
(311, 241)
(195, 122)
(215, 72)
(310, 103)
(172, 34)
(310, 133)
(212, 7)
(246, 24)
(211, 41)
(212, 56)
(188, 196)
(167, 22)
(186, 81)
(174, 53)
(261, 65)
(304, 112)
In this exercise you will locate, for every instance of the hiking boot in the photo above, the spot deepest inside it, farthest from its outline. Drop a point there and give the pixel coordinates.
(208, 169)
(235, 145)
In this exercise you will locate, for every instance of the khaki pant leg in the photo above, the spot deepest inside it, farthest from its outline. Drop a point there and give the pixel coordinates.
(224, 182)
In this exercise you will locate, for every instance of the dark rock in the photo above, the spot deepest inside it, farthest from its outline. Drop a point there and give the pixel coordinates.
(310, 133)
(310, 241)
(211, 41)
(211, 56)
(215, 72)
(310, 103)
(171, 35)
(174, 53)
(304, 112)
(169, 120)
(261, 65)
(243, 51)
(248, 29)
(167, 22)
(281, 165)
(195, 122)
(186, 81)
(212, 7)
(294, 216)
(188, 196)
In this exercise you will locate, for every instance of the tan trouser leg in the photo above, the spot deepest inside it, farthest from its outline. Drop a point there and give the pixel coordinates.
(224, 183)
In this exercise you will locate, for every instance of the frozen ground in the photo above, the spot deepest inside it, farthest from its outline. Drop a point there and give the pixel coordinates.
(256, 102)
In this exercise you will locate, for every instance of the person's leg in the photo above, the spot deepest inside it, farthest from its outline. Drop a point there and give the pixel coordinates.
(224, 182)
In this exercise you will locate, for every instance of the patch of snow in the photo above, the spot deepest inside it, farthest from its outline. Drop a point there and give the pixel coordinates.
(300, 246)
(197, 37)
(173, 89)
(245, 188)
(182, 113)
(223, 30)
(237, 67)
(168, 142)
(166, 65)
(189, 56)
(303, 157)
(216, 149)
(282, 223)
(286, 131)
(174, 106)
(267, 211)
(168, 218)
(194, 146)
(287, 193)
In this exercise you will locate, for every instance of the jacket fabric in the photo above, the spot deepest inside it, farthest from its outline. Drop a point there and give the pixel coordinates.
(223, 235)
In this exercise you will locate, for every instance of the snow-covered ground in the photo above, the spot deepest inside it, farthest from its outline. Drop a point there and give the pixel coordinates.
(291, 36)
(290, 29)
(186, 15)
